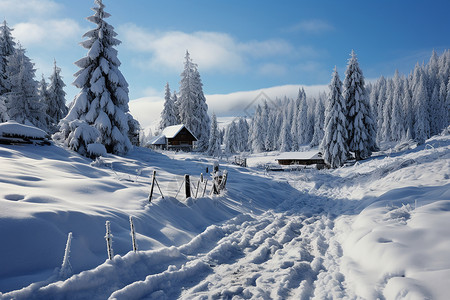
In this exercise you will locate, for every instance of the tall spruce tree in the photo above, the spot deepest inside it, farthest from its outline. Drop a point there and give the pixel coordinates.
(192, 107)
(44, 97)
(102, 102)
(56, 106)
(360, 123)
(214, 138)
(22, 99)
(319, 122)
(7, 48)
(168, 115)
(3, 110)
(334, 143)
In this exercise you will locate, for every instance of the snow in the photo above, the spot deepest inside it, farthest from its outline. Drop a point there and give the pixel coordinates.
(12, 128)
(171, 131)
(376, 229)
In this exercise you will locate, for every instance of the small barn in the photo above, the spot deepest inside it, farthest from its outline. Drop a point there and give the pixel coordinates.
(176, 137)
(301, 158)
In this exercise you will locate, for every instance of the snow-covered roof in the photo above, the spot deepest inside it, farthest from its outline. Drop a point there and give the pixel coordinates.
(17, 129)
(299, 155)
(171, 131)
(158, 140)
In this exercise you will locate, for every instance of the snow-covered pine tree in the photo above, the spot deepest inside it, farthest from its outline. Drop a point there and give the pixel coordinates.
(192, 104)
(7, 48)
(103, 100)
(286, 134)
(56, 106)
(231, 139)
(408, 111)
(134, 128)
(243, 131)
(421, 121)
(257, 132)
(360, 124)
(295, 125)
(319, 121)
(334, 147)
(3, 110)
(168, 114)
(214, 138)
(44, 99)
(397, 116)
(22, 99)
(382, 96)
(302, 119)
(270, 132)
(175, 106)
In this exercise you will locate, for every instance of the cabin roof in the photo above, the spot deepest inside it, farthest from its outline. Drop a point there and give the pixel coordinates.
(169, 132)
(299, 155)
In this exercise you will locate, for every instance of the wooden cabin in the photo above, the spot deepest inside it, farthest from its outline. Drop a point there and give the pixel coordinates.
(301, 158)
(176, 137)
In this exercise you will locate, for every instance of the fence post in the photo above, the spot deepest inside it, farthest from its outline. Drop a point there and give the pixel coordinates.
(108, 238)
(187, 186)
(66, 268)
(133, 234)
(153, 185)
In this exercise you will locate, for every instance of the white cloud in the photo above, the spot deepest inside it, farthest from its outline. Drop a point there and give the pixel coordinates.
(147, 110)
(30, 8)
(48, 33)
(314, 26)
(210, 50)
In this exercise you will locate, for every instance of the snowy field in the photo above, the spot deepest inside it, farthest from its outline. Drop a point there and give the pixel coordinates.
(377, 229)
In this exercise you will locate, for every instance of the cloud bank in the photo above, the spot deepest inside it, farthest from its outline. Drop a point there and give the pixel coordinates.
(147, 110)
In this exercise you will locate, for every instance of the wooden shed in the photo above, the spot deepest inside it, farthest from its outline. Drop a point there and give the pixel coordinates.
(301, 158)
(176, 137)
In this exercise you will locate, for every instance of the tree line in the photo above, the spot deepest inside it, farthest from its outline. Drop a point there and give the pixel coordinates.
(352, 116)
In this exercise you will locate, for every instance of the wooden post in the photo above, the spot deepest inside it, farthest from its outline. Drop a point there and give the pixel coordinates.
(187, 186)
(201, 177)
(204, 189)
(133, 234)
(198, 187)
(151, 189)
(108, 238)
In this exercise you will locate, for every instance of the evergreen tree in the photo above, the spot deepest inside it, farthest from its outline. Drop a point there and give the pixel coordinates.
(192, 104)
(168, 115)
(319, 113)
(397, 124)
(257, 132)
(134, 128)
(302, 119)
(44, 97)
(243, 130)
(56, 105)
(382, 96)
(334, 146)
(3, 110)
(361, 126)
(286, 135)
(7, 48)
(102, 102)
(175, 106)
(270, 133)
(231, 139)
(23, 100)
(214, 138)
(421, 121)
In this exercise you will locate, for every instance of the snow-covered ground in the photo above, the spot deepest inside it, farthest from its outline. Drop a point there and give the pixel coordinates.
(377, 229)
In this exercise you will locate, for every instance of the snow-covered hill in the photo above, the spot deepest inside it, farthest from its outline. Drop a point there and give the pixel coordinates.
(377, 229)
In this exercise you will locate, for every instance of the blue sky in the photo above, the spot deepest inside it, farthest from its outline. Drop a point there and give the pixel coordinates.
(238, 45)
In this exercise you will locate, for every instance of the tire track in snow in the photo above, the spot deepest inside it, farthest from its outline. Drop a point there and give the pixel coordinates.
(273, 256)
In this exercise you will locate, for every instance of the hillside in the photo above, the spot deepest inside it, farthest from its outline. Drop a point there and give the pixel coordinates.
(377, 229)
